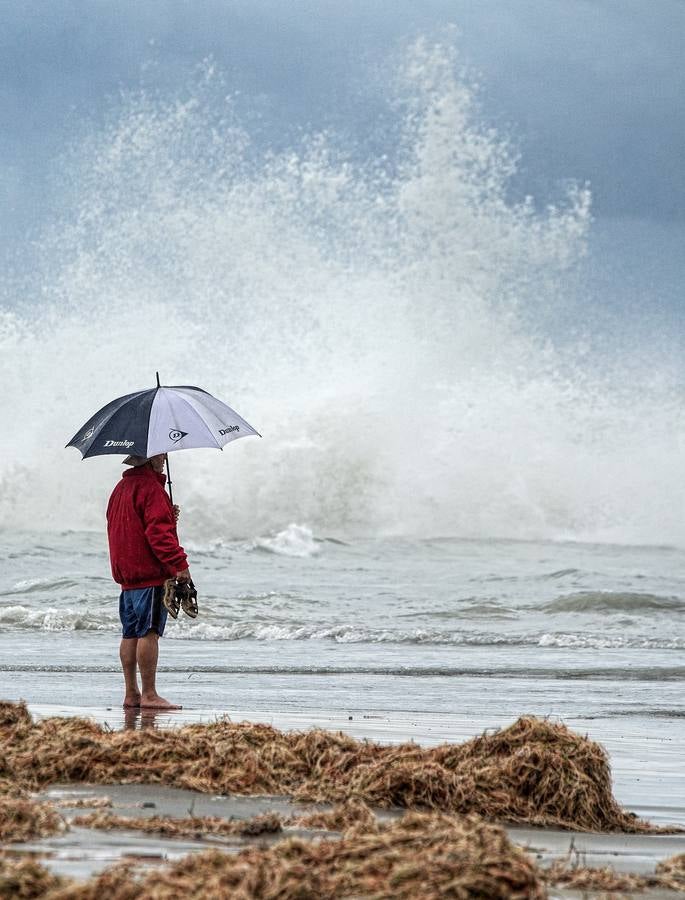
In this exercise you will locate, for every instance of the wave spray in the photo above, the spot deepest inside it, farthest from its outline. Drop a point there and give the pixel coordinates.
(372, 318)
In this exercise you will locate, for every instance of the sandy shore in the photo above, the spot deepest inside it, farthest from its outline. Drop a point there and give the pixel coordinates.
(81, 852)
(646, 758)
(642, 767)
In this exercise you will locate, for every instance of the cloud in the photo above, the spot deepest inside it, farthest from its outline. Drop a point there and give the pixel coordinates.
(589, 90)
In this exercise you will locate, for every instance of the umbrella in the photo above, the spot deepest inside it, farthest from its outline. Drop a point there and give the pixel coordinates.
(160, 420)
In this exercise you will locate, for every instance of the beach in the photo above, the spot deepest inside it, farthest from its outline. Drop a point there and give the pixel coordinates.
(82, 852)
(388, 641)
(85, 851)
(432, 252)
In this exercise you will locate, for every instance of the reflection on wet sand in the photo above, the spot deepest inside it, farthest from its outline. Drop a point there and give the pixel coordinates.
(136, 717)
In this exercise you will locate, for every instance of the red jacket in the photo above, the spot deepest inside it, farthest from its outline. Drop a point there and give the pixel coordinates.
(143, 543)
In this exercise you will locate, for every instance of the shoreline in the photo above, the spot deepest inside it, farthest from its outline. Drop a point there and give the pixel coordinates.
(85, 851)
(647, 774)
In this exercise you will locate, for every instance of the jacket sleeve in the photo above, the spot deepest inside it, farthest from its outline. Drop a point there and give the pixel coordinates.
(160, 531)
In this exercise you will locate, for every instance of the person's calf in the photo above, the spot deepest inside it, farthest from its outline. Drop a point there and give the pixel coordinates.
(127, 655)
(148, 651)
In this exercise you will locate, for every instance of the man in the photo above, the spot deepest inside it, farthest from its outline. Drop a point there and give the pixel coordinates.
(144, 552)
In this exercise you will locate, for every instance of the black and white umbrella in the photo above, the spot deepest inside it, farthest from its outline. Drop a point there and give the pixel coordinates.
(160, 420)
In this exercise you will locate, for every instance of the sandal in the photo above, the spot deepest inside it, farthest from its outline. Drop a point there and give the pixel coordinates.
(170, 598)
(188, 599)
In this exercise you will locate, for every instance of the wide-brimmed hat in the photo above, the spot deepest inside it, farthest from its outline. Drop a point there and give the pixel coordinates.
(135, 461)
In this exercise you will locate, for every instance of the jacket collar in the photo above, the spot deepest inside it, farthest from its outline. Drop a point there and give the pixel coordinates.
(145, 471)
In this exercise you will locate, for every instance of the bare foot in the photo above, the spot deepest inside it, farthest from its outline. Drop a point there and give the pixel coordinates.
(154, 701)
(131, 701)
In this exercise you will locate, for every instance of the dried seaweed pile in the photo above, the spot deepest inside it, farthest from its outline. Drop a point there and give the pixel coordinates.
(583, 878)
(670, 875)
(83, 802)
(533, 772)
(192, 827)
(569, 872)
(22, 819)
(427, 856)
(542, 773)
(25, 879)
(358, 820)
(673, 869)
(421, 855)
(351, 814)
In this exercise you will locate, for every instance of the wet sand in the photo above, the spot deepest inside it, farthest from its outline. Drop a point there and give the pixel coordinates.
(646, 756)
(646, 770)
(81, 852)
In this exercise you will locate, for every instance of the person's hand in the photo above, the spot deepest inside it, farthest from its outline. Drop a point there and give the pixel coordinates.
(183, 576)
(177, 512)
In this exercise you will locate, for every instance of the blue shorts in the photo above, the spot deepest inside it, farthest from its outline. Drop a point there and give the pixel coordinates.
(141, 611)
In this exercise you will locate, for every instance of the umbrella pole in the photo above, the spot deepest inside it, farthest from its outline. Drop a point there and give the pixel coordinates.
(168, 470)
(168, 478)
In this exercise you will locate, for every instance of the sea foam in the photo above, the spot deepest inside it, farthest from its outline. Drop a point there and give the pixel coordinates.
(378, 318)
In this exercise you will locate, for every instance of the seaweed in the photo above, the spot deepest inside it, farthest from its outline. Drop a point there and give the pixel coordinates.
(193, 826)
(422, 855)
(535, 771)
(25, 879)
(22, 819)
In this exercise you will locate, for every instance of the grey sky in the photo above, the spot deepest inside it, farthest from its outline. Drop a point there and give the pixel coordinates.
(589, 89)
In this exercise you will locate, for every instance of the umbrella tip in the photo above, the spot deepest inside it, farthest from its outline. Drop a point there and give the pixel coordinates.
(157, 374)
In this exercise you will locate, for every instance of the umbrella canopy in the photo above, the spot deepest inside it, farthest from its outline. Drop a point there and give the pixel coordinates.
(160, 420)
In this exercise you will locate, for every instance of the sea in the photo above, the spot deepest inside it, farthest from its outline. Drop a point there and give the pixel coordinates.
(467, 503)
(424, 639)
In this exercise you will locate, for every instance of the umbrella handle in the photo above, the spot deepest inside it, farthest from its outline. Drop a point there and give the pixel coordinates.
(168, 479)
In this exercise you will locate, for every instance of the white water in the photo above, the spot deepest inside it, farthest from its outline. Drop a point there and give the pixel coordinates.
(373, 320)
